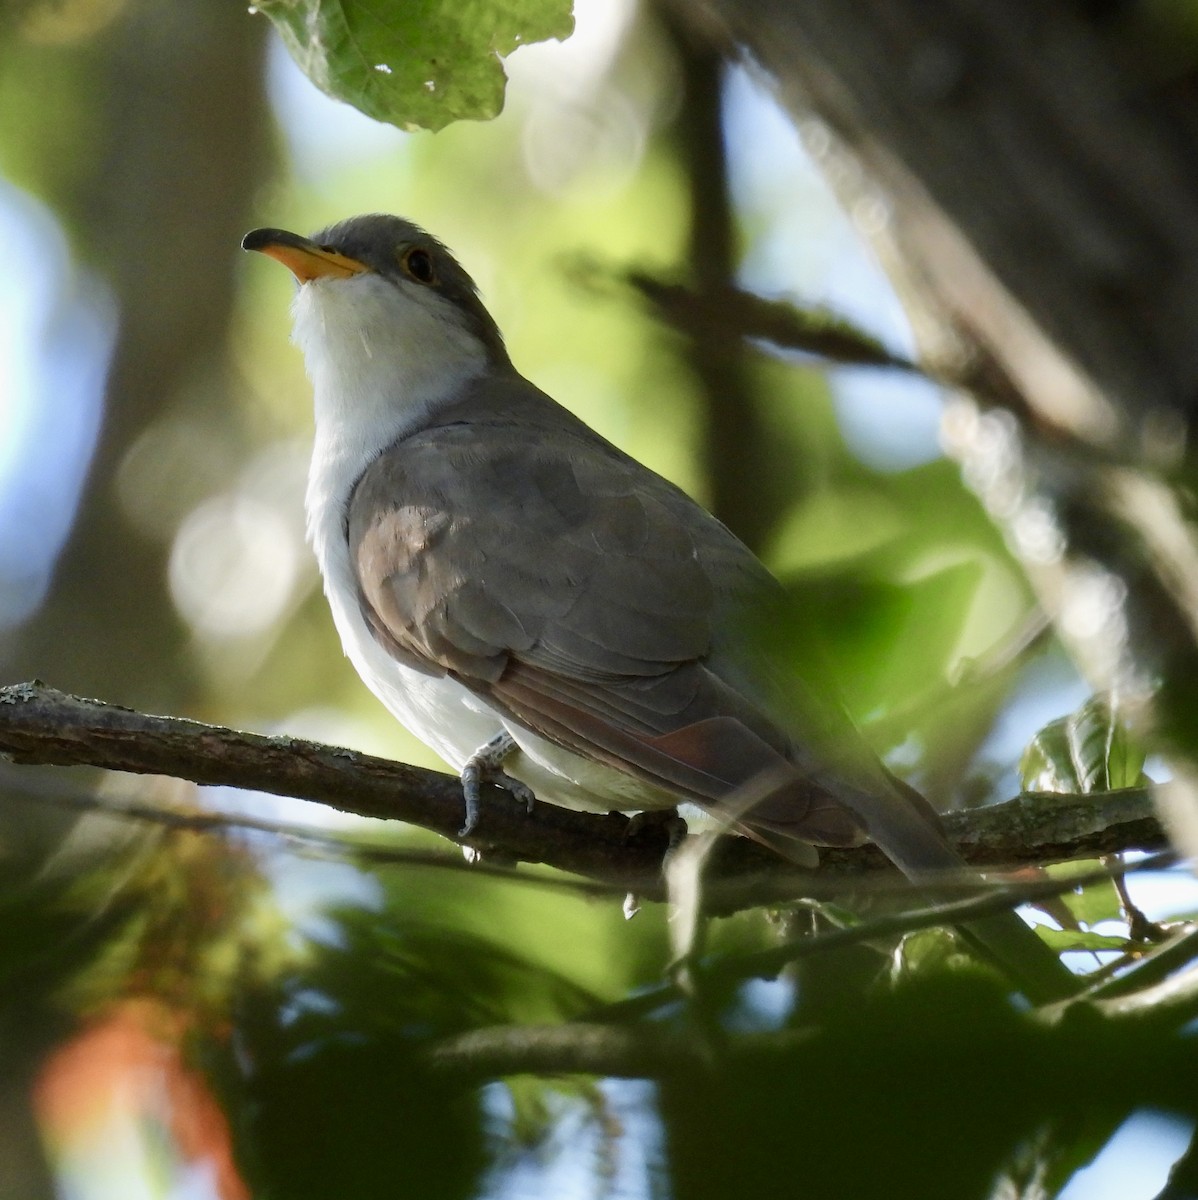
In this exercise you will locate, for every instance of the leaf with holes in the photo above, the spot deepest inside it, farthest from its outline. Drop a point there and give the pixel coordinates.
(418, 64)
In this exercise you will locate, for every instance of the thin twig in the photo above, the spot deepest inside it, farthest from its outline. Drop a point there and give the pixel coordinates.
(312, 842)
(768, 963)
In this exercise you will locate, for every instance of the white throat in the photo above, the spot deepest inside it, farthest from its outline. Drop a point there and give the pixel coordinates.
(382, 362)
(382, 359)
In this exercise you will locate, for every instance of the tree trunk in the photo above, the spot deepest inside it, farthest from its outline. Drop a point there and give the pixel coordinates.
(1038, 165)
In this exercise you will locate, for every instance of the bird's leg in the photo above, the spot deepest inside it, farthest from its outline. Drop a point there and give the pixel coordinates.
(668, 820)
(485, 765)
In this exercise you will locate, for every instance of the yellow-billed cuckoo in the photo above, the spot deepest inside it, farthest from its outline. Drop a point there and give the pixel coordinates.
(543, 610)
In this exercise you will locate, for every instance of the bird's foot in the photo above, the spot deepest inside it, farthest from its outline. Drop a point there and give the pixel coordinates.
(485, 765)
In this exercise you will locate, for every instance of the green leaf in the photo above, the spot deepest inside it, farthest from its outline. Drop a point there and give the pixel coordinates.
(1088, 751)
(1079, 939)
(1093, 903)
(928, 950)
(414, 63)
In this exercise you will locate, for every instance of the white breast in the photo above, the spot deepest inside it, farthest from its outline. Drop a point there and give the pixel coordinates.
(380, 366)
(450, 718)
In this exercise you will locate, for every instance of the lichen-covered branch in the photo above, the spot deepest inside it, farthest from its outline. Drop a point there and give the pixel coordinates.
(39, 725)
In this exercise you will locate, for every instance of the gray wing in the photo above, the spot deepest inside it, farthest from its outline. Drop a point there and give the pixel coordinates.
(585, 597)
(590, 600)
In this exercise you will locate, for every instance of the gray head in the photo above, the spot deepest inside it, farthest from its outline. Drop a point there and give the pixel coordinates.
(393, 250)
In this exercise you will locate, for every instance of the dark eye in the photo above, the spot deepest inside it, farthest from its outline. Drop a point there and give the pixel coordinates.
(419, 264)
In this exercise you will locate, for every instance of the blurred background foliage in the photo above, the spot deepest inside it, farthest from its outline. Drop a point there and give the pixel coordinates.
(192, 1014)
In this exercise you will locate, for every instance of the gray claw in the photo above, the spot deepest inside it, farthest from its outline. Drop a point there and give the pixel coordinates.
(485, 765)
(471, 785)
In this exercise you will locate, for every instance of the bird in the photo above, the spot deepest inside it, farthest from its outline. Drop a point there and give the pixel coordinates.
(545, 611)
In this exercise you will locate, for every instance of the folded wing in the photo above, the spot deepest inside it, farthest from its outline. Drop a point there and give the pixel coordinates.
(598, 606)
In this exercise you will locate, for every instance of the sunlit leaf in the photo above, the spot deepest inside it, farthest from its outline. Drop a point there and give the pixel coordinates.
(1088, 751)
(885, 639)
(416, 65)
(1096, 901)
(1081, 939)
(928, 950)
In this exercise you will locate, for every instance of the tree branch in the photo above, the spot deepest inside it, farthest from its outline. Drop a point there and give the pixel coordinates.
(578, 1048)
(39, 725)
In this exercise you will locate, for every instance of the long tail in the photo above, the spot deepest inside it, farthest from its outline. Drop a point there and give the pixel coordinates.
(904, 827)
